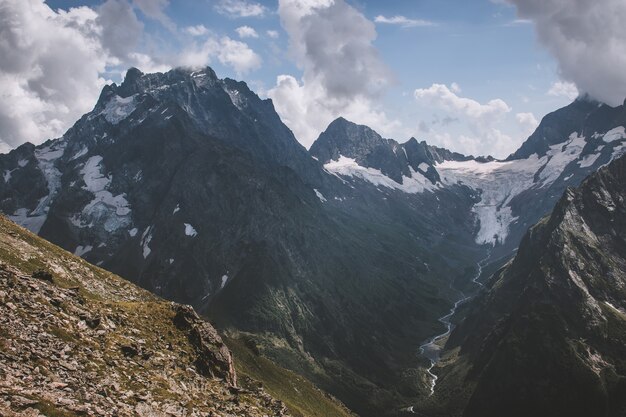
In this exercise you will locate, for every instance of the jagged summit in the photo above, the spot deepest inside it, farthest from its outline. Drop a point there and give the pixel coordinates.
(345, 139)
(584, 116)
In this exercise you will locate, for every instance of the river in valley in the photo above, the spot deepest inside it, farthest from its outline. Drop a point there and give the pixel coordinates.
(431, 349)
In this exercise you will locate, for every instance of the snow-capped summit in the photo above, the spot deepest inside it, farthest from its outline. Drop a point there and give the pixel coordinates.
(513, 194)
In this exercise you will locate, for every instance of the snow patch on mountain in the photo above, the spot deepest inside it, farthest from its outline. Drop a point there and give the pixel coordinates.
(46, 157)
(190, 230)
(320, 195)
(105, 208)
(23, 218)
(119, 108)
(80, 153)
(81, 250)
(146, 237)
(235, 96)
(348, 167)
(560, 155)
(498, 183)
(614, 134)
(589, 160)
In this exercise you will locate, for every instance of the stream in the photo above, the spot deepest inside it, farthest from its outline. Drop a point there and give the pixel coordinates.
(430, 349)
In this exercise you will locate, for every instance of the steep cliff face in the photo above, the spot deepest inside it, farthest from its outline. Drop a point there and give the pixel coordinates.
(548, 336)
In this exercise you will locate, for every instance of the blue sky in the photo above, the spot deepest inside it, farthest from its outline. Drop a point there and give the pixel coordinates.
(470, 76)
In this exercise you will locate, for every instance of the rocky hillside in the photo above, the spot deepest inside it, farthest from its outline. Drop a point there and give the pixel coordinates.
(549, 336)
(77, 340)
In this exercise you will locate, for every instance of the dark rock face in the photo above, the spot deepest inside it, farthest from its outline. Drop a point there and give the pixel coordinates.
(548, 337)
(583, 115)
(369, 149)
(212, 356)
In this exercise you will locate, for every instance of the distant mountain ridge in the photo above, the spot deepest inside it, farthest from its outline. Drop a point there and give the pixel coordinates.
(370, 150)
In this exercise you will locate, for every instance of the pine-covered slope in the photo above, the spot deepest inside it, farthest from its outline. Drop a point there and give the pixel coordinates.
(548, 338)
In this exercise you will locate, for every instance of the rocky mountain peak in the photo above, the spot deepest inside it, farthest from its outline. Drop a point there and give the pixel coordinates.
(344, 138)
(584, 116)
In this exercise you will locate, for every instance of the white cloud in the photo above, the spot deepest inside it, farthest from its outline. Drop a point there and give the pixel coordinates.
(246, 32)
(480, 124)
(445, 98)
(519, 22)
(238, 55)
(235, 54)
(198, 30)
(120, 30)
(528, 122)
(588, 40)
(563, 89)
(49, 71)
(307, 109)
(155, 9)
(403, 21)
(343, 74)
(240, 8)
(272, 34)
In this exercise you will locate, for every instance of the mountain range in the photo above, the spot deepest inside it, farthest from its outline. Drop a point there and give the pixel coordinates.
(334, 262)
(547, 337)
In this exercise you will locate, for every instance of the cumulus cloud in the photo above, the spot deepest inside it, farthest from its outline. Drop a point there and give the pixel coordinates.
(563, 89)
(240, 8)
(227, 51)
(120, 28)
(307, 109)
(480, 123)
(198, 30)
(528, 122)
(446, 98)
(343, 74)
(49, 71)
(588, 40)
(402, 21)
(155, 9)
(272, 34)
(246, 32)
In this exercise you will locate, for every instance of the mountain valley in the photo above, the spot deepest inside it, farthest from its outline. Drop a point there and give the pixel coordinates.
(334, 262)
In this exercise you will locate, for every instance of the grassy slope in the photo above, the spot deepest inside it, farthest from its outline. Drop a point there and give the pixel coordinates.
(29, 253)
(300, 395)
